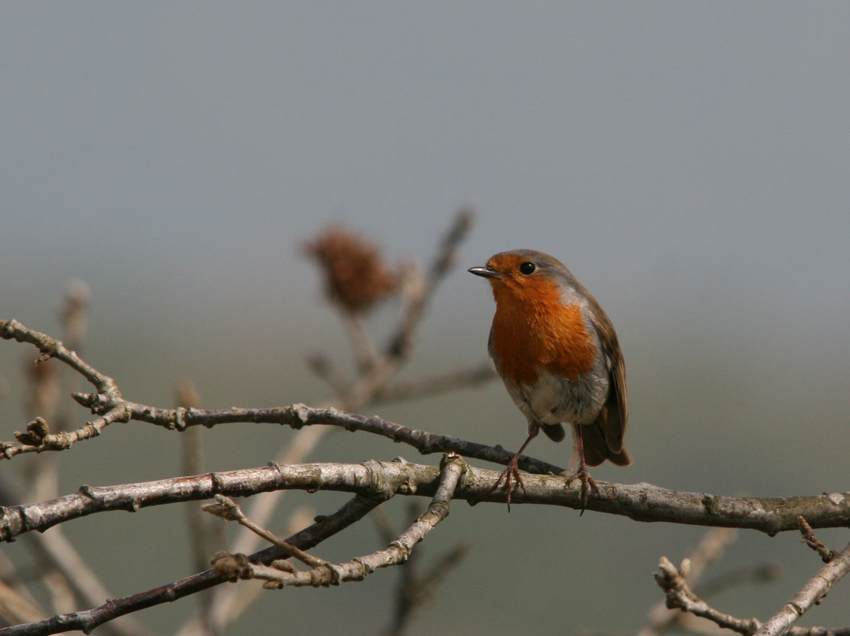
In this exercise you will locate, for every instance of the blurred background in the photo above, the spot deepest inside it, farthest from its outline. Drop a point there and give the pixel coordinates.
(688, 162)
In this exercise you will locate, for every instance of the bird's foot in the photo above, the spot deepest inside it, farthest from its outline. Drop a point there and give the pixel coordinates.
(510, 474)
(587, 482)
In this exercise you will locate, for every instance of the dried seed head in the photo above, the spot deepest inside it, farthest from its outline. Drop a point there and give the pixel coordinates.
(356, 276)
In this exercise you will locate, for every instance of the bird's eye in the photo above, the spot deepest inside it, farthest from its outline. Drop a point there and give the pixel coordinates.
(527, 268)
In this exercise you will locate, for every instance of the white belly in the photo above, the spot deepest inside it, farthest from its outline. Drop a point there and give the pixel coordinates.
(555, 400)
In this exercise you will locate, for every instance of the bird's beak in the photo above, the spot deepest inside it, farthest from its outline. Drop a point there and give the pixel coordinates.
(486, 272)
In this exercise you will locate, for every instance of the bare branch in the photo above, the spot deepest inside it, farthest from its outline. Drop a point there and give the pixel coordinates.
(416, 591)
(299, 415)
(679, 596)
(193, 464)
(323, 573)
(64, 440)
(710, 548)
(227, 599)
(228, 607)
(227, 509)
(86, 621)
(401, 342)
(811, 594)
(814, 543)
(640, 502)
(55, 553)
(368, 479)
(204, 538)
(51, 348)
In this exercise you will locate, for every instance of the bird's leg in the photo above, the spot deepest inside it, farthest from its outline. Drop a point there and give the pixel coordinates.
(581, 473)
(512, 471)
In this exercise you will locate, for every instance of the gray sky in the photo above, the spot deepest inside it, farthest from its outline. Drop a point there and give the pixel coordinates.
(689, 162)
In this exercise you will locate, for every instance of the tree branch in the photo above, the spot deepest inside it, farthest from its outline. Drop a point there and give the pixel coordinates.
(642, 502)
(401, 342)
(680, 596)
(86, 621)
(52, 348)
(814, 543)
(323, 573)
(811, 594)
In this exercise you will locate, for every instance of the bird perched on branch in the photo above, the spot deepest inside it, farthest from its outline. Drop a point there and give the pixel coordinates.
(557, 353)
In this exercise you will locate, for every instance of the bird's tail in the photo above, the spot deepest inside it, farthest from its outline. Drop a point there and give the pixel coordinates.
(596, 448)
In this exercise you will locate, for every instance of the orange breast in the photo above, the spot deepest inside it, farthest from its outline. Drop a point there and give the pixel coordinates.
(533, 332)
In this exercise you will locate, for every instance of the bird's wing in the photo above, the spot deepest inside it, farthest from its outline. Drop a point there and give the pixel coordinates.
(617, 407)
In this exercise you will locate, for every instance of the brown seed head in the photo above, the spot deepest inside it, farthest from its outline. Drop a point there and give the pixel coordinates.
(356, 276)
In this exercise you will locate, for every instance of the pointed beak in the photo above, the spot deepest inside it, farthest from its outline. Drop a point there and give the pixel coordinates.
(486, 272)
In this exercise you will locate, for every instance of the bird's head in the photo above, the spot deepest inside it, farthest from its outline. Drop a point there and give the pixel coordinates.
(526, 276)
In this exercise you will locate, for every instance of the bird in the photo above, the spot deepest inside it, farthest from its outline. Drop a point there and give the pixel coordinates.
(557, 352)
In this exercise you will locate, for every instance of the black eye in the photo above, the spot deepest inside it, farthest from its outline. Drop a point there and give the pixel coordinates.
(527, 268)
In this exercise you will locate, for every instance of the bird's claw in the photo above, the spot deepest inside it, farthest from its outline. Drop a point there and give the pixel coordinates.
(510, 474)
(586, 481)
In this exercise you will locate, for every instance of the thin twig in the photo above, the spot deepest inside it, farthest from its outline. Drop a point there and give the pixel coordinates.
(710, 548)
(299, 415)
(811, 594)
(814, 543)
(52, 348)
(53, 551)
(375, 370)
(226, 599)
(193, 464)
(203, 536)
(229, 607)
(401, 343)
(680, 596)
(86, 621)
(416, 591)
(227, 509)
(323, 573)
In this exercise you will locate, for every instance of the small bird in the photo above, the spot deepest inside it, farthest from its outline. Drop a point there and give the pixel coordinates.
(557, 353)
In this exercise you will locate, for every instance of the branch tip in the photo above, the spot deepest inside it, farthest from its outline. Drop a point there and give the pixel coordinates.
(813, 542)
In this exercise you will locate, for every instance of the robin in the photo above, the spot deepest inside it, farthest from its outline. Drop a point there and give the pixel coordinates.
(557, 353)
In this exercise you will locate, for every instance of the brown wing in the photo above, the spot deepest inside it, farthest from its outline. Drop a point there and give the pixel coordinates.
(614, 418)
